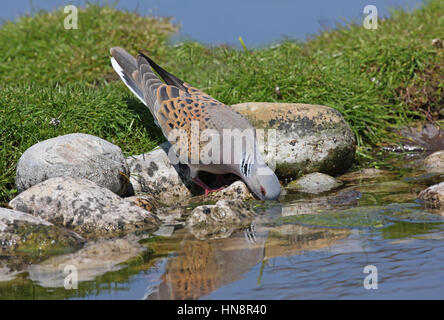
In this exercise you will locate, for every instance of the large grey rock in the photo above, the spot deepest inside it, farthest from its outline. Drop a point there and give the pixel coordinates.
(83, 206)
(154, 174)
(433, 197)
(23, 233)
(309, 138)
(75, 155)
(314, 183)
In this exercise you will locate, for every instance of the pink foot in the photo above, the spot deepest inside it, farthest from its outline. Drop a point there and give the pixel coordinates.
(203, 185)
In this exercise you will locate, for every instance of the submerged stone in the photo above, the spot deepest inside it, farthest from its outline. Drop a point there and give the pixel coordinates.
(344, 199)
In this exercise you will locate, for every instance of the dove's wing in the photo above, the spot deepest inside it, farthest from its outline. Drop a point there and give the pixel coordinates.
(176, 105)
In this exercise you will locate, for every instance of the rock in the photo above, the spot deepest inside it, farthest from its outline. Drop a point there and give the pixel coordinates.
(92, 261)
(433, 197)
(154, 174)
(74, 155)
(309, 138)
(25, 234)
(435, 161)
(314, 183)
(83, 206)
(224, 213)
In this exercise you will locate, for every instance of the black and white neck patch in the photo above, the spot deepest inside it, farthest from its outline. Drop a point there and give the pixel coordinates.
(245, 165)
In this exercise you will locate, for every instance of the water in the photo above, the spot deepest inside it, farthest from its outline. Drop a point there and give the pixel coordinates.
(284, 254)
(259, 22)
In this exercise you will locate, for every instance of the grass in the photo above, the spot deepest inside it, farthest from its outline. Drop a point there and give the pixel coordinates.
(48, 72)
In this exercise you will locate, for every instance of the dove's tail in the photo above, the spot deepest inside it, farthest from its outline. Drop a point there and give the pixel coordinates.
(137, 75)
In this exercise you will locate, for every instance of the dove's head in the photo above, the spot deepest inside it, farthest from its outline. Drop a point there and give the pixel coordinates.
(259, 178)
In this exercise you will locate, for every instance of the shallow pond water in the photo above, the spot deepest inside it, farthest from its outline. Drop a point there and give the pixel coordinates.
(305, 247)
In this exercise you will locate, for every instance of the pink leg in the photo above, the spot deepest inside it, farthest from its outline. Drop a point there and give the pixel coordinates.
(203, 185)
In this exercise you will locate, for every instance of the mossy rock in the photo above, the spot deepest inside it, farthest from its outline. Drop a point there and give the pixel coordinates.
(37, 239)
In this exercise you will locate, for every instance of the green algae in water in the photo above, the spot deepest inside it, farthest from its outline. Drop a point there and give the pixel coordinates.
(404, 229)
(411, 212)
(350, 218)
(366, 217)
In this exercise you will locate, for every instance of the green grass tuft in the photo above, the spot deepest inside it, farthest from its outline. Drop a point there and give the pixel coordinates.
(49, 72)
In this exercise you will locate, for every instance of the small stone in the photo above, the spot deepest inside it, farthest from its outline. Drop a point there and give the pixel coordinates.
(314, 183)
(433, 197)
(83, 206)
(74, 155)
